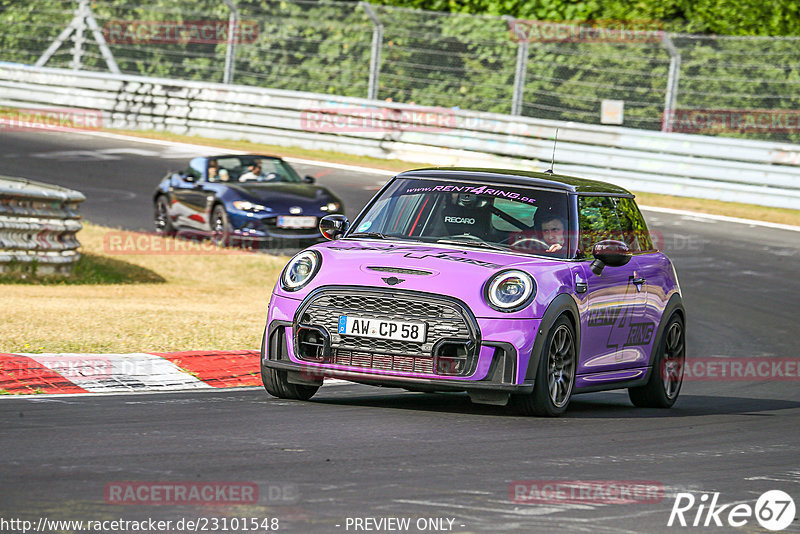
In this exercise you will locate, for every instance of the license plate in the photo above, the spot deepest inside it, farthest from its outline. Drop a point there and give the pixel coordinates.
(288, 221)
(382, 328)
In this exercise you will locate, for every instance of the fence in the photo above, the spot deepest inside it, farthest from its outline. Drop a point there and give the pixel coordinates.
(38, 226)
(755, 172)
(481, 63)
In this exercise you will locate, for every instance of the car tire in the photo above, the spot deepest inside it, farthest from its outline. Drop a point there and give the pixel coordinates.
(220, 226)
(277, 385)
(555, 375)
(666, 377)
(161, 219)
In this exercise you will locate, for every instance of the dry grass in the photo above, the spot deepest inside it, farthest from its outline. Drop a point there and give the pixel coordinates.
(731, 209)
(168, 302)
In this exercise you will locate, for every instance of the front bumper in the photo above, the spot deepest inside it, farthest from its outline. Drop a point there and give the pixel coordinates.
(311, 375)
(501, 349)
(258, 227)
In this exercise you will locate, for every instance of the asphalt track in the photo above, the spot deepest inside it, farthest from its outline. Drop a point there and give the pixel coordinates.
(364, 452)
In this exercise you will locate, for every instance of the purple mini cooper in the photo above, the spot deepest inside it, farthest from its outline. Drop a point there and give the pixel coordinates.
(515, 287)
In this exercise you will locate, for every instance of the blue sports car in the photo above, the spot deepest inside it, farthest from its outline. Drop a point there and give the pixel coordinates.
(240, 198)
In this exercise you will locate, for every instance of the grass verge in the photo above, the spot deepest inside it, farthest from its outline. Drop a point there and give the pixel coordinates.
(716, 207)
(167, 301)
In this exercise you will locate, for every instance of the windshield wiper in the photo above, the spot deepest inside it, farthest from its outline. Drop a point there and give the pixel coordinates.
(369, 234)
(482, 244)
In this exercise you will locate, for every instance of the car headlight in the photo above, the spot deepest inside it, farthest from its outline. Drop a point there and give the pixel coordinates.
(245, 205)
(300, 270)
(510, 290)
(331, 207)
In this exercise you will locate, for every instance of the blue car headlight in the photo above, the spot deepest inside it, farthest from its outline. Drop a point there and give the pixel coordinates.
(331, 207)
(510, 290)
(300, 270)
(245, 205)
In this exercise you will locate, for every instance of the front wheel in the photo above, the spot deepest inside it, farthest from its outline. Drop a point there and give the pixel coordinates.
(666, 378)
(161, 220)
(220, 227)
(277, 385)
(555, 376)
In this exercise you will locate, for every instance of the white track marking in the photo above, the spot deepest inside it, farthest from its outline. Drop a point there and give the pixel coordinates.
(119, 372)
(721, 218)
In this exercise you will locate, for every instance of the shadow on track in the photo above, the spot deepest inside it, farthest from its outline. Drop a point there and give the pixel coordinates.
(592, 406)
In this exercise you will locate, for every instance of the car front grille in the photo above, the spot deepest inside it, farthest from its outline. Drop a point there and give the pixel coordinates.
(384, 362)
(447, 319)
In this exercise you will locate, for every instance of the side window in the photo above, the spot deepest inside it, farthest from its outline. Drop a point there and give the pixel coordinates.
(638, 237)
(598, 220)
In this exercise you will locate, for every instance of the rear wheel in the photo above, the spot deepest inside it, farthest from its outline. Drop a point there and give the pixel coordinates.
(161, 219)
(666, 378)
(555, 377)
(277, 385)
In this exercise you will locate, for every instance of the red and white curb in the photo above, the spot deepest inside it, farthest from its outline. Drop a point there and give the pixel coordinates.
(26, 373)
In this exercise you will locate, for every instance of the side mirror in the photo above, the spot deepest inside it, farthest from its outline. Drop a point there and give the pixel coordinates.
(611, 253)
(309, 179)
(333, 226)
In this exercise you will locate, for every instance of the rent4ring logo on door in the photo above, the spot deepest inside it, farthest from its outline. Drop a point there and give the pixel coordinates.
(773, 510)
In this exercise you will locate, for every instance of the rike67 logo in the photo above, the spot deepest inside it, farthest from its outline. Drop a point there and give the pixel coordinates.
(774, 510)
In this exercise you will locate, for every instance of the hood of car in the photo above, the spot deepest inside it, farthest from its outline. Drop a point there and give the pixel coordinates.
(285, 194)
(460, 272)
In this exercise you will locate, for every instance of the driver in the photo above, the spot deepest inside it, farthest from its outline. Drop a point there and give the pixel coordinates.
(253, 173)
(548, 235)
(553, 232)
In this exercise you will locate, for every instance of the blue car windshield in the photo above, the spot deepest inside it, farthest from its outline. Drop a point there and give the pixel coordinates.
(516, 218)
(253, 169)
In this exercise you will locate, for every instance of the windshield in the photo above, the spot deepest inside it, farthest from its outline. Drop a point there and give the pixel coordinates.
(505, 217)
(250, 169)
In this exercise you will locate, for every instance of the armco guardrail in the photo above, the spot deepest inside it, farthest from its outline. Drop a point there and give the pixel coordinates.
(38, 226)
(756, 172)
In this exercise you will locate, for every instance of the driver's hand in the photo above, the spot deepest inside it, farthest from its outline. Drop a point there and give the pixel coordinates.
(554, 247)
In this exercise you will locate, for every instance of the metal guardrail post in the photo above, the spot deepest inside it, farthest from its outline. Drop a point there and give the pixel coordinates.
(375, 56)
(77, 38)
(38, 226)
(519, 78)
(83, 18)
(672, 82)
(230, 51)
(520, 72)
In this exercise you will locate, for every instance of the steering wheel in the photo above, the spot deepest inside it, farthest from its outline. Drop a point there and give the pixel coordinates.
(521, 243)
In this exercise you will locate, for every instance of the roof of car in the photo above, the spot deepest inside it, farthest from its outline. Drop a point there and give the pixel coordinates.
(267, 156)
(511, 176)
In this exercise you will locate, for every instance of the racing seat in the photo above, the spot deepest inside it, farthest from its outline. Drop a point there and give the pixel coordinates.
(466, 213)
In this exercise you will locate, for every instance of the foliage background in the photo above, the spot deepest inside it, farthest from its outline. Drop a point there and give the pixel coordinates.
(463, 55)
